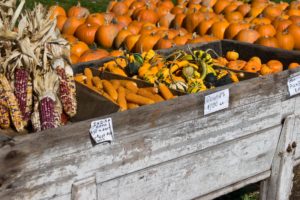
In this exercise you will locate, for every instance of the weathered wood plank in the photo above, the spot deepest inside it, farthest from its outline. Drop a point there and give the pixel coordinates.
(85, 189)
(144, 137)
(280, 182)
(199, 173)
(236, 186)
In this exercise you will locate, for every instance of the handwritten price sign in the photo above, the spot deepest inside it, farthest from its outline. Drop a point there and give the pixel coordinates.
(216, 101)
(294, 84)
(102, 130)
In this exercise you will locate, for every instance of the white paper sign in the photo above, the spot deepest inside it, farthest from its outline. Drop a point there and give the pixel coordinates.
(216, 101)
(102, 130)
(294, 84)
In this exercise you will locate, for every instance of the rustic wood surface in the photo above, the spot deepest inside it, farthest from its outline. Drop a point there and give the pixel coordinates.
(153, 141)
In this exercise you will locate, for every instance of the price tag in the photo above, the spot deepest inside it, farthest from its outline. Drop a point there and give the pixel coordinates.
(216, 101)
(294, 84)
(102, 130)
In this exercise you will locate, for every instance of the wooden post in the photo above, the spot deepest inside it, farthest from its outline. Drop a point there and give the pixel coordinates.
(85, 189)
(279, 185)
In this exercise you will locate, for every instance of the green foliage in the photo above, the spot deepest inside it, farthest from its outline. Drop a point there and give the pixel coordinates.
(92, 5)
(250, 196)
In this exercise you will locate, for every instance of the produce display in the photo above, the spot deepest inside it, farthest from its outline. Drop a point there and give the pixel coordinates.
(125, 93)
(138, 26)
(191, 71)
(37, 87)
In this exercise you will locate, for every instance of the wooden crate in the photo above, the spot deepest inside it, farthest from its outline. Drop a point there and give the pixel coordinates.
(169, 150)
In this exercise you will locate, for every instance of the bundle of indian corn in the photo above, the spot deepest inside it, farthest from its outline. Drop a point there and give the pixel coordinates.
(37, 88)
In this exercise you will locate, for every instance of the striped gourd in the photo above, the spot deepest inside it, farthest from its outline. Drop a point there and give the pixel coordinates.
(14, 110)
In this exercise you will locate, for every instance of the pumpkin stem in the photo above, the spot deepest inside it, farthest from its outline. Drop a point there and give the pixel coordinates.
(78, 4)
(213, 51)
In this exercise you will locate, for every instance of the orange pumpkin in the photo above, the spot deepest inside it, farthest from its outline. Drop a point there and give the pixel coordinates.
(86, 33)
(218, 29)
(146, 43)
(182, 39)
(123, 20)
(61, 20)
(120, 8)
(268, 41)
(293, 12)
(78, 11)
(93, 55)
(234, 28)
(244, 9)
(147, 15)
(275, 66)
(167, 4)
(294, 30)
(161, 11)
(256, 9)
(208, 3)
(272, 12)
(106, 35)
(232, 7)
(285, 40)
(95, 18)
(266, 30)
(70, 38)
(78, 48)
(116, 53)
(192, 20)
(247, 35)
(281, 24)
(134, 27)
(295, 19)
(232, 55)
(130, 42)
(121, 37)
(205, 25)
(128, 2)
(261, 21)
(178, 9)
(74, 59)
(220, 6)
(234, 16)
(57, 11)
(252, 66)
(282, 5)
(71, 24)
(294, 65)
(166, 20)
(164, 43)
(178, 20)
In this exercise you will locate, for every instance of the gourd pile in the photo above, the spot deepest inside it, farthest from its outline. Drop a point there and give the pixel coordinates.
(191, 71)
(37, 88)
(138, 26)
(124, 93)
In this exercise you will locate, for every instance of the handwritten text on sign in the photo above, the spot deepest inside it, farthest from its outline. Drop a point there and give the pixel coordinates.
(294, 84)
(216, 101)
(102, 130)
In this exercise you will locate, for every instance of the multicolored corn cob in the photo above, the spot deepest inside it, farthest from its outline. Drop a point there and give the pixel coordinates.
(23, 92)
(66, 92)
(15, 112)
(4, 111)
(35, 116)
(46, 87)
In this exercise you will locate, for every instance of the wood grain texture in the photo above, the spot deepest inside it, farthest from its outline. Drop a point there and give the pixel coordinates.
(280, 182)
(46, 165)
(84, 189)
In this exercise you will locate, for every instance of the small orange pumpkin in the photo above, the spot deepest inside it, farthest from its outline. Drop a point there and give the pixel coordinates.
(232, 55)
(272, 12)
(234, 16)
(93, 55)
(275, 66)
(252, 66)
(95, 18)
(74, 59)
(234, 28)
(106, 35)
(78, 11)
(220, 6)
(247, 35)
(71, 24)
(120, 8)
(281, 24)
(294, 30)
(70, 38)
(148, 15)
(78, 48)
(236, 64)
(130, 42)
(146, 43)
(86, 33)
(265, 70)
(244, 9)
(294, 65)
(218, 29)
(61, 20)
(164, 43)
(268, 41)
(266, 30)
(121, 37)
(205, 25)
(57, 11)
(285, 40)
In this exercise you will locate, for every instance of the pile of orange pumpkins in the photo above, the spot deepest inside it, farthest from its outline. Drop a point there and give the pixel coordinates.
(141, 25)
